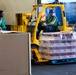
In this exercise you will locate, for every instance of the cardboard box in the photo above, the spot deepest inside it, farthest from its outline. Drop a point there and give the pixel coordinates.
(15, 53)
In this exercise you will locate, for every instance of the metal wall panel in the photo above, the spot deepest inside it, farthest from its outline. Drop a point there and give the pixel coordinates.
(11, 7)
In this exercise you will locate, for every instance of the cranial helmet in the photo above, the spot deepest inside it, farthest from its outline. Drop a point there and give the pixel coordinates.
(51, 11)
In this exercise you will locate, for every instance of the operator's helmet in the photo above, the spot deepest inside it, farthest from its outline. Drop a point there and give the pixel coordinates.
(51, 11)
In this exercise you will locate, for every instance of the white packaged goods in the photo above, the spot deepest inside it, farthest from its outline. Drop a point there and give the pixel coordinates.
(58, 45)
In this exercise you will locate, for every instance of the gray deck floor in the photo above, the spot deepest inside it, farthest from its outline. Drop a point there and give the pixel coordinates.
(45, 69)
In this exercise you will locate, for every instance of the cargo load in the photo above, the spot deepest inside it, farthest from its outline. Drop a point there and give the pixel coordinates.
(58, 45)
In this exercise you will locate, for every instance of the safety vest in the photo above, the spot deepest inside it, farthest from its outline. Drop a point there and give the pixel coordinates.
(2, 24)
(50, 20)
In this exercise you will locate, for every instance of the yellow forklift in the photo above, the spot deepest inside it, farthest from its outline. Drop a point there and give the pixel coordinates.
(27, 23)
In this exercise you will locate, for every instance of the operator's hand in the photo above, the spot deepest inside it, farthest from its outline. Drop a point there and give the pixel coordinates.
(44, 24)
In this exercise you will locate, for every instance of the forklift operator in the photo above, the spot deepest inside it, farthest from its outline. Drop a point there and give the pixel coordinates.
(51, 24)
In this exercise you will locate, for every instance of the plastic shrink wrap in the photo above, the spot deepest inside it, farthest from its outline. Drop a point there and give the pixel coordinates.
(58, 45)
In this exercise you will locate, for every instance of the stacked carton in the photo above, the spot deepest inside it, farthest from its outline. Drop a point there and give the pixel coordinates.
(59, 45)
